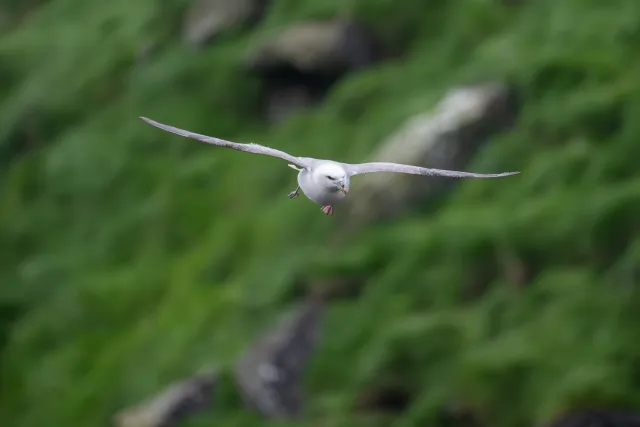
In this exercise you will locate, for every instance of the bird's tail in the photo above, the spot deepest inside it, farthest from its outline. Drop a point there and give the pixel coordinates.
(295, 167)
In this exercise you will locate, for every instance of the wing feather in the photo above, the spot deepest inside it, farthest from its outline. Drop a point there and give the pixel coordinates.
(247, 148)
(358, 169)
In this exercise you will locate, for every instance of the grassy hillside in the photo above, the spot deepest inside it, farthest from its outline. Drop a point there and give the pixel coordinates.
(130, 257)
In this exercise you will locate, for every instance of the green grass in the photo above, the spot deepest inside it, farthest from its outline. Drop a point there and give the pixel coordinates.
(131, 257)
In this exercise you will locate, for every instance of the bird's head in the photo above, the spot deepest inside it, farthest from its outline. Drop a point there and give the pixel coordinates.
(332, 176)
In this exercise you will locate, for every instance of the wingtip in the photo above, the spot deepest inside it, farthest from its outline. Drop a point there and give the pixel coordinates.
(149, 121)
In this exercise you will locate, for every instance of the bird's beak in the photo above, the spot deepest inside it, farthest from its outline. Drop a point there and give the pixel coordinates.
(344, 189)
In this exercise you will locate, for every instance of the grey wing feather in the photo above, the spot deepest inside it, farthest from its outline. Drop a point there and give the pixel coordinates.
(248, 148)
(361, 168)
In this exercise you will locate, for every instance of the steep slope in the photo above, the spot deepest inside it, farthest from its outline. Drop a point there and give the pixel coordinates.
(131, 256)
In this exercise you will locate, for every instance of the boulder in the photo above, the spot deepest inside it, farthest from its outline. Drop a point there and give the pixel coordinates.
(207, 18)
(175, 402)
(299, 65)
(268, 375)
(445, 138)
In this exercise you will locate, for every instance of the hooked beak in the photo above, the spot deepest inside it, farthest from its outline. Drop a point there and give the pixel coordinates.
(344, 189)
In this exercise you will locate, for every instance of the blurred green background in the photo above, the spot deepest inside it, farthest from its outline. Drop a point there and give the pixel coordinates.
(131, 257)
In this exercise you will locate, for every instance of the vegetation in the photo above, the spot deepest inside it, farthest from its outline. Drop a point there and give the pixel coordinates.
(132, 257)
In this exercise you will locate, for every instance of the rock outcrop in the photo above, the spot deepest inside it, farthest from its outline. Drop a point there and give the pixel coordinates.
(597, 418)
(269, 375)
(445, 138)
(301, 63)
(207, 18)
(168, 407)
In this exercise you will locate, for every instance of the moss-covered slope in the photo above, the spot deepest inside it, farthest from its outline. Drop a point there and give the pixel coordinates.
(130, 257)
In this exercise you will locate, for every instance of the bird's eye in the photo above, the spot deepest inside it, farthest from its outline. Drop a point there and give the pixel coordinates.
(331, 178)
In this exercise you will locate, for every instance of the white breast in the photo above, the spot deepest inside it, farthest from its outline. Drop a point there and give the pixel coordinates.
(318, 193)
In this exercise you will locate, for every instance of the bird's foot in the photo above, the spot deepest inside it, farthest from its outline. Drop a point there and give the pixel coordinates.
(294, 193)
(327, 210)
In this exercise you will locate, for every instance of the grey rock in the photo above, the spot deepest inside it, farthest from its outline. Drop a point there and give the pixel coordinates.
(317, 47)
(270, 371)
(597, 418)
(177, 401)
(445, 138)
(299, 65)
(207, 18)
(268, 375)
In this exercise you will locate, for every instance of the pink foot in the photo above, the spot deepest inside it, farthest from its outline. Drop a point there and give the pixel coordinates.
(328, 210)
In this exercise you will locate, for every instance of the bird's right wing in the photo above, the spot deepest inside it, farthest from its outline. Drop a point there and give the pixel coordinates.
(357, 169)
(248, 148)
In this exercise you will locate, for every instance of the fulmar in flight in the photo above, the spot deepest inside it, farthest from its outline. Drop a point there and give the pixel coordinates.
(324, 182)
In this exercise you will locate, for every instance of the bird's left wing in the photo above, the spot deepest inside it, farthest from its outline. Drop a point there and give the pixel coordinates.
(248, 148)
(358, 169)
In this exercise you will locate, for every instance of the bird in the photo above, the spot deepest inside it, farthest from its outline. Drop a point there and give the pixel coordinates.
(325, 182)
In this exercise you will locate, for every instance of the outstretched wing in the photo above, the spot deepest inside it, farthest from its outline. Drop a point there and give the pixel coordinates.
(361, 168)
(248, 148)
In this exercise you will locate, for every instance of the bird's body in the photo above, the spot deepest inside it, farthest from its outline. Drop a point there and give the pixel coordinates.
(325, 182)
(315, 184)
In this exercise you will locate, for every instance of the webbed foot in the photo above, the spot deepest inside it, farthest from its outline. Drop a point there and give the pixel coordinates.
(294, 193)
(327, 210)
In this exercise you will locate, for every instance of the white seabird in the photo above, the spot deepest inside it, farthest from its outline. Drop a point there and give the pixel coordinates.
(324, 182)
